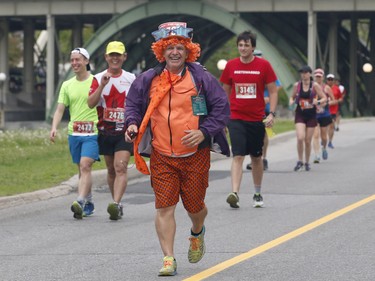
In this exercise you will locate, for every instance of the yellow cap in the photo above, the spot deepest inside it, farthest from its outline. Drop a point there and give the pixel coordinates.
(115, 47)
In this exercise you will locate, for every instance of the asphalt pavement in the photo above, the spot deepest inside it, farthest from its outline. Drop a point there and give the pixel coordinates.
(315, 225)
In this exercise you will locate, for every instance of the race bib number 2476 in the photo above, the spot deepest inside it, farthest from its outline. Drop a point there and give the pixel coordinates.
(114, 114)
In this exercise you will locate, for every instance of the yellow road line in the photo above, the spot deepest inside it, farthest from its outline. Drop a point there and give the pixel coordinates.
(240, 258)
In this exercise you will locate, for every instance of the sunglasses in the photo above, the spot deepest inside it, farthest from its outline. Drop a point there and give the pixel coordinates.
(330, 79)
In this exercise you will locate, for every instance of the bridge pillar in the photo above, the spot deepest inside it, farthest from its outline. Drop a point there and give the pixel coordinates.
(311, 39)
(4, 66)
(28, 61)
(50, 87)
(353, 65)
(77, 34)
(332, 37)
(371, 88)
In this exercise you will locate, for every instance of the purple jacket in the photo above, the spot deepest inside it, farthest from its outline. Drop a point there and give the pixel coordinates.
(212, 125)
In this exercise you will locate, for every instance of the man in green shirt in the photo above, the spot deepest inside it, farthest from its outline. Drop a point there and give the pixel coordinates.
(82, 128)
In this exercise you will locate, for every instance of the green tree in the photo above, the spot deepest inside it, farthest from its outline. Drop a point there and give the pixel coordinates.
(15, 49)
(227, 51)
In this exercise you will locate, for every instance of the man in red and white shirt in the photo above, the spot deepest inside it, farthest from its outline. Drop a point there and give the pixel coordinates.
(339, 112)
(244, 80)
(333, 106)
(108, 94)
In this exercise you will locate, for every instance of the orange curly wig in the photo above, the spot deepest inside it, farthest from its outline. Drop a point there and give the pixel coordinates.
(194, 49)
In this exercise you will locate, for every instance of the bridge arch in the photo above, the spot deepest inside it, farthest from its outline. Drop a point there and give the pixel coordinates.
(212, 25)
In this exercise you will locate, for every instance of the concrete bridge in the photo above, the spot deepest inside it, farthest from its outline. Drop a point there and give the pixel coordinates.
(290, 33)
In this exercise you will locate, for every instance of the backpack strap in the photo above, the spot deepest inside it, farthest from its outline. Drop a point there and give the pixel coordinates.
(299, 89)
(312, 90)
(296, 101)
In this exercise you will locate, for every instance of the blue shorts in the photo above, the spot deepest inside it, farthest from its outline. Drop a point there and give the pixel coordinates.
(83, 146)
(324, 121)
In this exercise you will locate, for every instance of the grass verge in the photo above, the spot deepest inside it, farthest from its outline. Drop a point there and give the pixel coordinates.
(29, 161)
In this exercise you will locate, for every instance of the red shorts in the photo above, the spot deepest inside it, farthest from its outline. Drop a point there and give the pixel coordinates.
(172, 177)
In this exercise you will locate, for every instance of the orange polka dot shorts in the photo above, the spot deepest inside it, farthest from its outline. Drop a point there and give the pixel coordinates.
(172, 177)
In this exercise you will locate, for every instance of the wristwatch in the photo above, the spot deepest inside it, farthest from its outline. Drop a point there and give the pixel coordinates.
(273, 113)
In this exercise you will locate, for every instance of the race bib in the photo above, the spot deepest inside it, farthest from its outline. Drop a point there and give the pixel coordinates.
(319, 109)
(114, 114)
(246, 90)
(305, 104)
(83, 127)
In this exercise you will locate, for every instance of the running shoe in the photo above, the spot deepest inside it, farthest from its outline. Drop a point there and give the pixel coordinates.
(330, 145)
(317, 159)
(265, 164)
(307, 167)
(257, 201)
(115, 211)
(324, 154)
(77, 209)
(121, 210)
(88, 209)
(298, 167)
(197, 247)
(233, 200)
(169, 267)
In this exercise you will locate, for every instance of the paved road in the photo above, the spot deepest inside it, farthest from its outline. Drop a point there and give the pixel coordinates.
(316, 225)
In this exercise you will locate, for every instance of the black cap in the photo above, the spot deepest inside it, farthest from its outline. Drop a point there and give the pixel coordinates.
(305, 68)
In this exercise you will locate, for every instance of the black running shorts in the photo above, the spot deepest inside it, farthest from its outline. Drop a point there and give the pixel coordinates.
(108, 145)
(246, 137)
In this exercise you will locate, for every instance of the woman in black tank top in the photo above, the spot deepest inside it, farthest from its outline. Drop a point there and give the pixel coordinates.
(304, 95)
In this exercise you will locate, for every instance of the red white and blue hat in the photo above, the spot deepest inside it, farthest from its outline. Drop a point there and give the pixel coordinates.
(168, 29)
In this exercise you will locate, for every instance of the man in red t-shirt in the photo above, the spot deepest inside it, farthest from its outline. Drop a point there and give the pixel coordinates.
(333, 107)
(244, 80)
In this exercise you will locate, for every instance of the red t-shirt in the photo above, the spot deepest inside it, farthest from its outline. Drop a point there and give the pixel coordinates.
(248, 81)
(338, 95)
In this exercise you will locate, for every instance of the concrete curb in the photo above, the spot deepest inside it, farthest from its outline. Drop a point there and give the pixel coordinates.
(100, 176)
(99, 180)
(66, 187)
